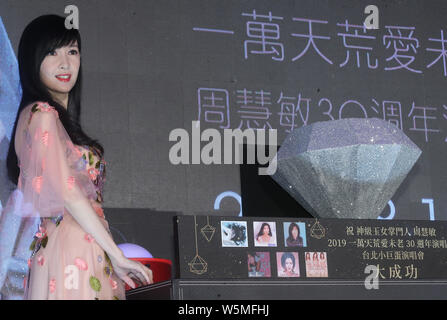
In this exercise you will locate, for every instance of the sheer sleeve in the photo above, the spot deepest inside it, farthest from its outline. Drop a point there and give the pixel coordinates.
(52, 170)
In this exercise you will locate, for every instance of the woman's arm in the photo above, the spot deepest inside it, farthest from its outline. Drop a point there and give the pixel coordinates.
(52, 176)
(83, 212)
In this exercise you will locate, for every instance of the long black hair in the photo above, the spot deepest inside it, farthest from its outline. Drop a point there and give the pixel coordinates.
(284, 257)
(41, 36)
(261, 231)
(290, 238)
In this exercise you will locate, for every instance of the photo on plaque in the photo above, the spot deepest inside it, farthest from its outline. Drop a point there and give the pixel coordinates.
(264, 234)
(287, 264)
(295, 234)
(234, 233)
(316, 264)
(258, 264)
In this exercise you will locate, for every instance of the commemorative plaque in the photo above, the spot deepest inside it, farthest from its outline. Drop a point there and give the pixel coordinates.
(291, 248)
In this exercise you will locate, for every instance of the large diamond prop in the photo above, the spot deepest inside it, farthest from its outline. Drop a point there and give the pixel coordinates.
(348, 168)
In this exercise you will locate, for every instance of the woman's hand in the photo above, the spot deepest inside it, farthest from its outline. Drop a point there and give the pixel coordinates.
(125, 268)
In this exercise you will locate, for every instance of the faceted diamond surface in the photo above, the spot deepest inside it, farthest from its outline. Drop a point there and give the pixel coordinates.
(348, 168)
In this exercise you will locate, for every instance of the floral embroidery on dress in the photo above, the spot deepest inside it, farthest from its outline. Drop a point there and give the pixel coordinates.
(44, 138)
(93, 173)
(70, 182)
(81, 264)
(108, 270)
(40, 260)
(42, 107)
(96, 169)
(89, 237)
(37, 183)
(113, 283)
(95, 165)
(40, 239)
(57, 219)
(52, 285)
(95, 284)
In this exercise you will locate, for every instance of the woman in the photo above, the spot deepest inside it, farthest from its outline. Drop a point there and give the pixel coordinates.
(315, 260)
(254, 264)
(265, 236)
(323, 264)
(60, 172)
(309, 266)
(294, 239)
(288, 265)
(316, 264)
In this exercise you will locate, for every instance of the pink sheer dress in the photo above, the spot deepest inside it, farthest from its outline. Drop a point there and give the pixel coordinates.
(65, 262)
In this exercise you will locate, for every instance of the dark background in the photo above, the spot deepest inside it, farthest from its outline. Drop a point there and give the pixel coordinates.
(144, 65)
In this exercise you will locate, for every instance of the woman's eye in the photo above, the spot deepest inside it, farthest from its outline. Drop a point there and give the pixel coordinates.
(74, 51)
(52, 53)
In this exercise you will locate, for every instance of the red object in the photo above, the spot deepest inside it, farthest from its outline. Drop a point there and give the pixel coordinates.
(161, 269)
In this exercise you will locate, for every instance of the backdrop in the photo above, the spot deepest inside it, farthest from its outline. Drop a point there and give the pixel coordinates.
(154, 66)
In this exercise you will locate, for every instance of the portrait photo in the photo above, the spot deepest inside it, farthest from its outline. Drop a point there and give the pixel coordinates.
(295, 234)
(264, 234)
(287, 264)
(234, 233)
(316, 264)
(258, 264)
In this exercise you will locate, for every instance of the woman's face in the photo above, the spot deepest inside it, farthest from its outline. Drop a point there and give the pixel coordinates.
(266, 230)
(251, 259)
(295, 232)
(59, 69)
(289, 265)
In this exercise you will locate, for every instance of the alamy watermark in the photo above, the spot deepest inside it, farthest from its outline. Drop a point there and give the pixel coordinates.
(212, 152)
(72, 20)
(372, 20)
(372, 278)
(72, 277)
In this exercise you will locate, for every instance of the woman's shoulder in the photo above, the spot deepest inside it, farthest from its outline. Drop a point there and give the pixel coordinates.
(40, 107)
